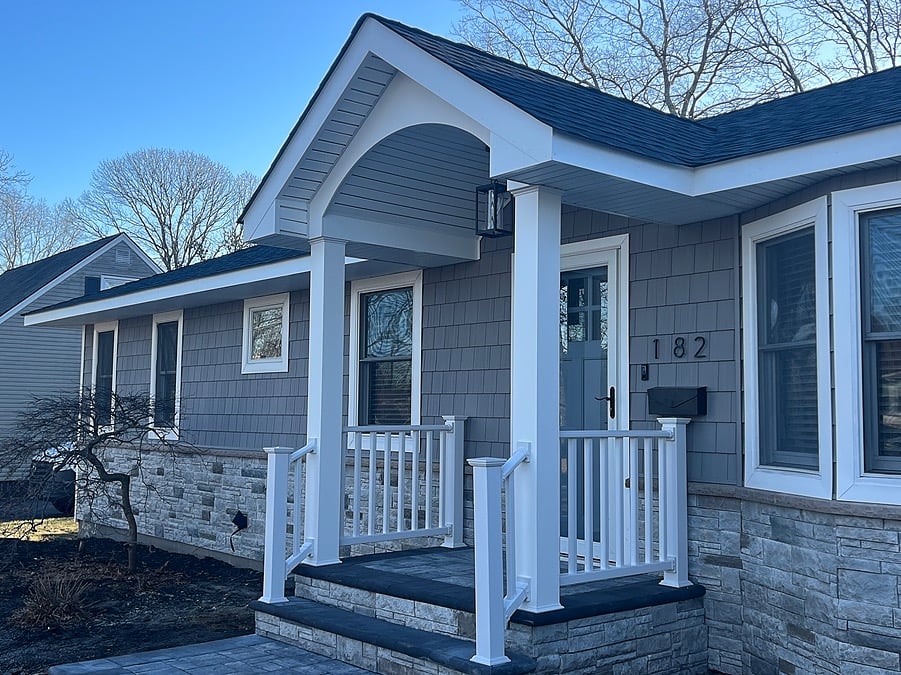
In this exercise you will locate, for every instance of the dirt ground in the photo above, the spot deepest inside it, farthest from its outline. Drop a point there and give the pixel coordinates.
(59, 604)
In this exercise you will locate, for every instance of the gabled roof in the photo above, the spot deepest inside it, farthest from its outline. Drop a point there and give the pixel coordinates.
(244, 259)
(584, 112)
(19, 283)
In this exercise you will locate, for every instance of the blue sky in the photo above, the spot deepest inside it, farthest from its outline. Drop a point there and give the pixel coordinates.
(85, 81)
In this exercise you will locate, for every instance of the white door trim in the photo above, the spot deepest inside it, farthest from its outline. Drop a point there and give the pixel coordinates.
(614, 253)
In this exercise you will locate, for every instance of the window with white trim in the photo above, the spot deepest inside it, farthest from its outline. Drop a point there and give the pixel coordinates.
(385, 349)
(788, 435)
(165, 377)
(265, 342)
(103, 372)
(867, 320)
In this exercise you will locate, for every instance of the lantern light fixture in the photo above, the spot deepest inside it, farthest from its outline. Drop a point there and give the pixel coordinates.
(494, 210)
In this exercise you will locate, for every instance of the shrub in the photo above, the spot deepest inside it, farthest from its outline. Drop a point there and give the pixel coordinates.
(54, 598)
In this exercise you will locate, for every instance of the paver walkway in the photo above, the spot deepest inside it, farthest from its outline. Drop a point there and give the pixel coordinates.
(245, 655)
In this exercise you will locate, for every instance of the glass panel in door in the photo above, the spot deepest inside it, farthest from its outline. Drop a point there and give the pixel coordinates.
(583, 374)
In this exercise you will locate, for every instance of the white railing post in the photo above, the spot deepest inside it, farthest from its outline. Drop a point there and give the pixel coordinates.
(490, 623)
(452, 486)
(278, 460)
(676, 501)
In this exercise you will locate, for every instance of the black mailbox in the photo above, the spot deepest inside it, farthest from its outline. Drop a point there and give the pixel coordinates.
(677, 401)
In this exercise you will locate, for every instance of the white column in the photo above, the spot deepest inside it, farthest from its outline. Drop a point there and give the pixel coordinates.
(452, 481)
(535, 400)
(676, 501)
(278, 460)
(324, 488)
(489, 560)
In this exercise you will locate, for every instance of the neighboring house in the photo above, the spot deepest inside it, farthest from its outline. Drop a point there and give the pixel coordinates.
(734, 277)
(34, 361)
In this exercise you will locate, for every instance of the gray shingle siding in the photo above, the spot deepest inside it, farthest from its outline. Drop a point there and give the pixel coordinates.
(466, 347)
(683, 284)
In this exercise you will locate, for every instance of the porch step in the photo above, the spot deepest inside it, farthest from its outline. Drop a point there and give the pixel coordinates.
(375, 644)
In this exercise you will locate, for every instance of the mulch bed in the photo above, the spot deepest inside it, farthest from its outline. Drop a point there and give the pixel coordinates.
(171, 600)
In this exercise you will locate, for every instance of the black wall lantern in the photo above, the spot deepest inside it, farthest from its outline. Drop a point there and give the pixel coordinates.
(494, 210)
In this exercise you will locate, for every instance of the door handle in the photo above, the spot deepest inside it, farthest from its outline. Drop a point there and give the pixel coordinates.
(611, 399)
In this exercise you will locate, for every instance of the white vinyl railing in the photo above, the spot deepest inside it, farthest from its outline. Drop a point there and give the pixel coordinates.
(624, 512)
(405, 482)
(623, 504)
(495, 500)
(276, 567)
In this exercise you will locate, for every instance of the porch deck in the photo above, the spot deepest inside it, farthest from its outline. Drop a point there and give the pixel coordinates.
(446, 577)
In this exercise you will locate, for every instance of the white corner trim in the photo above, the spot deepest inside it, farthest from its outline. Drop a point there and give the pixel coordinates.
(385, 283)
(169, 433)
(277, 364)
(791, 481)
(852, 483)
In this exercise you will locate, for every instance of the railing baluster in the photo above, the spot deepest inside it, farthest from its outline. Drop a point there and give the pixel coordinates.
(358, 461)
(588, 506)
(510, 535)
(649, 445)
(401, 479)
(414, 483)
(619, 498)
(386, 485)
(429, 502)
(442, 463)
(370, 503)
(572, 485)
(603, 465)
(662, 449)
(633, 500)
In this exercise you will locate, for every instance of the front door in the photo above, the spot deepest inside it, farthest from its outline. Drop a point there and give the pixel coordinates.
(593, 360)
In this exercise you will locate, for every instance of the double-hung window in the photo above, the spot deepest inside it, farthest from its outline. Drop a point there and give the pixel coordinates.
(867, 321)
(385, 350)
(265, 343)
(788, 436)
(165, 379)
(103, 379)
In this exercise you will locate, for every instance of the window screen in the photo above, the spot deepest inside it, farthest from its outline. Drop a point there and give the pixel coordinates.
(386, 363)
(787, 377)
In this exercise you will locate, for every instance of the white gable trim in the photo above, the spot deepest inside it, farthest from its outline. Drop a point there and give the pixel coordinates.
(517, 139)
(69, 272)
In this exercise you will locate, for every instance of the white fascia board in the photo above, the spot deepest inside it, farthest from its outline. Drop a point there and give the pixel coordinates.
(831, 153)
(530, 138)
(251, 275)
(62, 277)
(625, 165)
(314, 117)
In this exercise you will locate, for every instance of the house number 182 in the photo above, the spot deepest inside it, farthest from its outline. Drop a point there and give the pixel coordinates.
(695, 347)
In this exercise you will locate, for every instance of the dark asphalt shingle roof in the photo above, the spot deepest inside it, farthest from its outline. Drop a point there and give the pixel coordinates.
(243, 259)
(20, 282)
(845, 107)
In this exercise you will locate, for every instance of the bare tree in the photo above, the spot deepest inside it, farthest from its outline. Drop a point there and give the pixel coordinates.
(690, 58)
(30, 229)
(179, 205)
(859, 36)
(83, 432)
(233, 238)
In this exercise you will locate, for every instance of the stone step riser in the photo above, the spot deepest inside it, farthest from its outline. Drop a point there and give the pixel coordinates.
(345, 649)
(413, 613)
